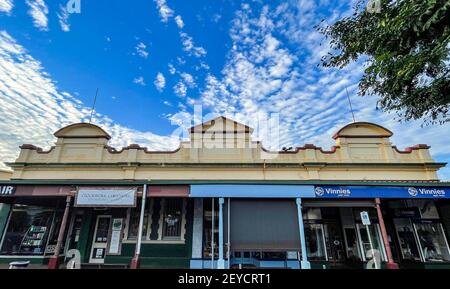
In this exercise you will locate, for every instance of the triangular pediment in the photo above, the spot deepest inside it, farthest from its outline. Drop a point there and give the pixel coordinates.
(221, 124)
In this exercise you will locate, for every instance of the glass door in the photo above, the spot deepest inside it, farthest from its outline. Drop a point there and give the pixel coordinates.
(407, 239)
(375, 237)
(100, 240)
(334, 243)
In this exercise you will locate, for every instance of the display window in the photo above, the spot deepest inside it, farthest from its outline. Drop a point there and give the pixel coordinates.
(210, 228)
(28, 230)
(170, 219)
(133, 217)
(419, 231)
(432, 242)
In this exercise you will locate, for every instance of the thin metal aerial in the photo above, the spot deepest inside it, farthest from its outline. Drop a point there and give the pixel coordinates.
(350, 103)
(93, 105)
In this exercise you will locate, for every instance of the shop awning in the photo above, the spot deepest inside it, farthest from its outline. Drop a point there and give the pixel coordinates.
(168, 191)
(37, 191)
(252, 191)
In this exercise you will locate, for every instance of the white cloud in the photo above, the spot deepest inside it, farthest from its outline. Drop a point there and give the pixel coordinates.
(160, 82)
(38, 11)
(179, 21)
(164, 11)
(172, 69)
(141, 50)
(139, 80)
(189, 46)
(188, 79)
(271, 67)
(180, 89)
(6, 6)
(32, 108)
(63, 17)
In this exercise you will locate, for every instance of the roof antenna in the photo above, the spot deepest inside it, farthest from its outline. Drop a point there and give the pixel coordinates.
(93, 105)
(350, 103)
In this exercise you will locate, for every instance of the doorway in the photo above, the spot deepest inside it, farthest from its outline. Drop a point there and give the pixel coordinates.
(100, 239)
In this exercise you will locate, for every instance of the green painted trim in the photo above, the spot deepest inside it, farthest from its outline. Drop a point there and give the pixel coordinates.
(196, 182)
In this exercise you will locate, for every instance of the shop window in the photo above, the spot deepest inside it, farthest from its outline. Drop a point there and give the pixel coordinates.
(315, 245)
(172, 218)
(27, 231)
(133, 221)
(210, 231)
(433, 243)
(407, 240)
(427, 208)
(419, 232)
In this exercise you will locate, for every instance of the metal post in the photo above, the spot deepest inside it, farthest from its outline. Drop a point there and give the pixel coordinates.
(304, 263)
(371, 246)
(221, 261)
(53, 263)
(135, 260)
(390, 260)
(228, 235)
(212, 232)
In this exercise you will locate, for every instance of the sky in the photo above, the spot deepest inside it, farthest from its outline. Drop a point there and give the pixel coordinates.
(155, 61)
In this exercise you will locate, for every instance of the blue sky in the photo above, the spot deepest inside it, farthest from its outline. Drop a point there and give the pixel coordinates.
(153, 60)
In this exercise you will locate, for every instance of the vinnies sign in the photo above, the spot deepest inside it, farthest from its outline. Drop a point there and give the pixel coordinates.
(381, 192)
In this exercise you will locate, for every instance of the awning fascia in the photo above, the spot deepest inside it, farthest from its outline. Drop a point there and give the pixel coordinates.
(252, 191)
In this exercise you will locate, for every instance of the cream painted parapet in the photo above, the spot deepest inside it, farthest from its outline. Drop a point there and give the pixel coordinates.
(363, 151)
(5, 174)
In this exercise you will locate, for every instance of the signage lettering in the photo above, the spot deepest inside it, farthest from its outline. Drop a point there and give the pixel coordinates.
(106, 198)
(7, 190)
(380, 192)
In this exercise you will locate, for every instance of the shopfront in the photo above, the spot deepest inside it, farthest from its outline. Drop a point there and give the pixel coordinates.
(264, 232)
(102, 225)
(32, 216)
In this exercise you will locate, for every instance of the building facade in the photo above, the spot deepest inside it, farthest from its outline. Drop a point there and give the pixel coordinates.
(222, 200)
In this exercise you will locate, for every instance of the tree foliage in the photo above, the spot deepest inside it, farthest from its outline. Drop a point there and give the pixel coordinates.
(405, 47)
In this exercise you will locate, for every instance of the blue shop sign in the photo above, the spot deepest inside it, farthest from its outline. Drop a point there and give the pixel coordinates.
(381, 192)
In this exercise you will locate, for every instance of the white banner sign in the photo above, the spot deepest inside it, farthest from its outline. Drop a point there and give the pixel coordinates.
(106, 198)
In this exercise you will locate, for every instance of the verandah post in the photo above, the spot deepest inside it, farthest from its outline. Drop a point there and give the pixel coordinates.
(221, 261)
(135, 261)
(304, 263)
(53, 263)
(390, 260)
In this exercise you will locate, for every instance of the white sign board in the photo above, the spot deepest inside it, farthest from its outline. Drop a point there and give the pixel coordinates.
(365, 218)
(114, 243)
(106, 198)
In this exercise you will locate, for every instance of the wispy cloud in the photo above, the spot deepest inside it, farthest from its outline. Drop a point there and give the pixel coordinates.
(139, 80)
(164, 11)
(160, 82)
(271, 68)
(38, 11)
(179, 21)
(172, 69)
(6, 6)
(180, 89)
(188, 79)
(189, 46)
(32, 107)
(141, 50)
(63, 17)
